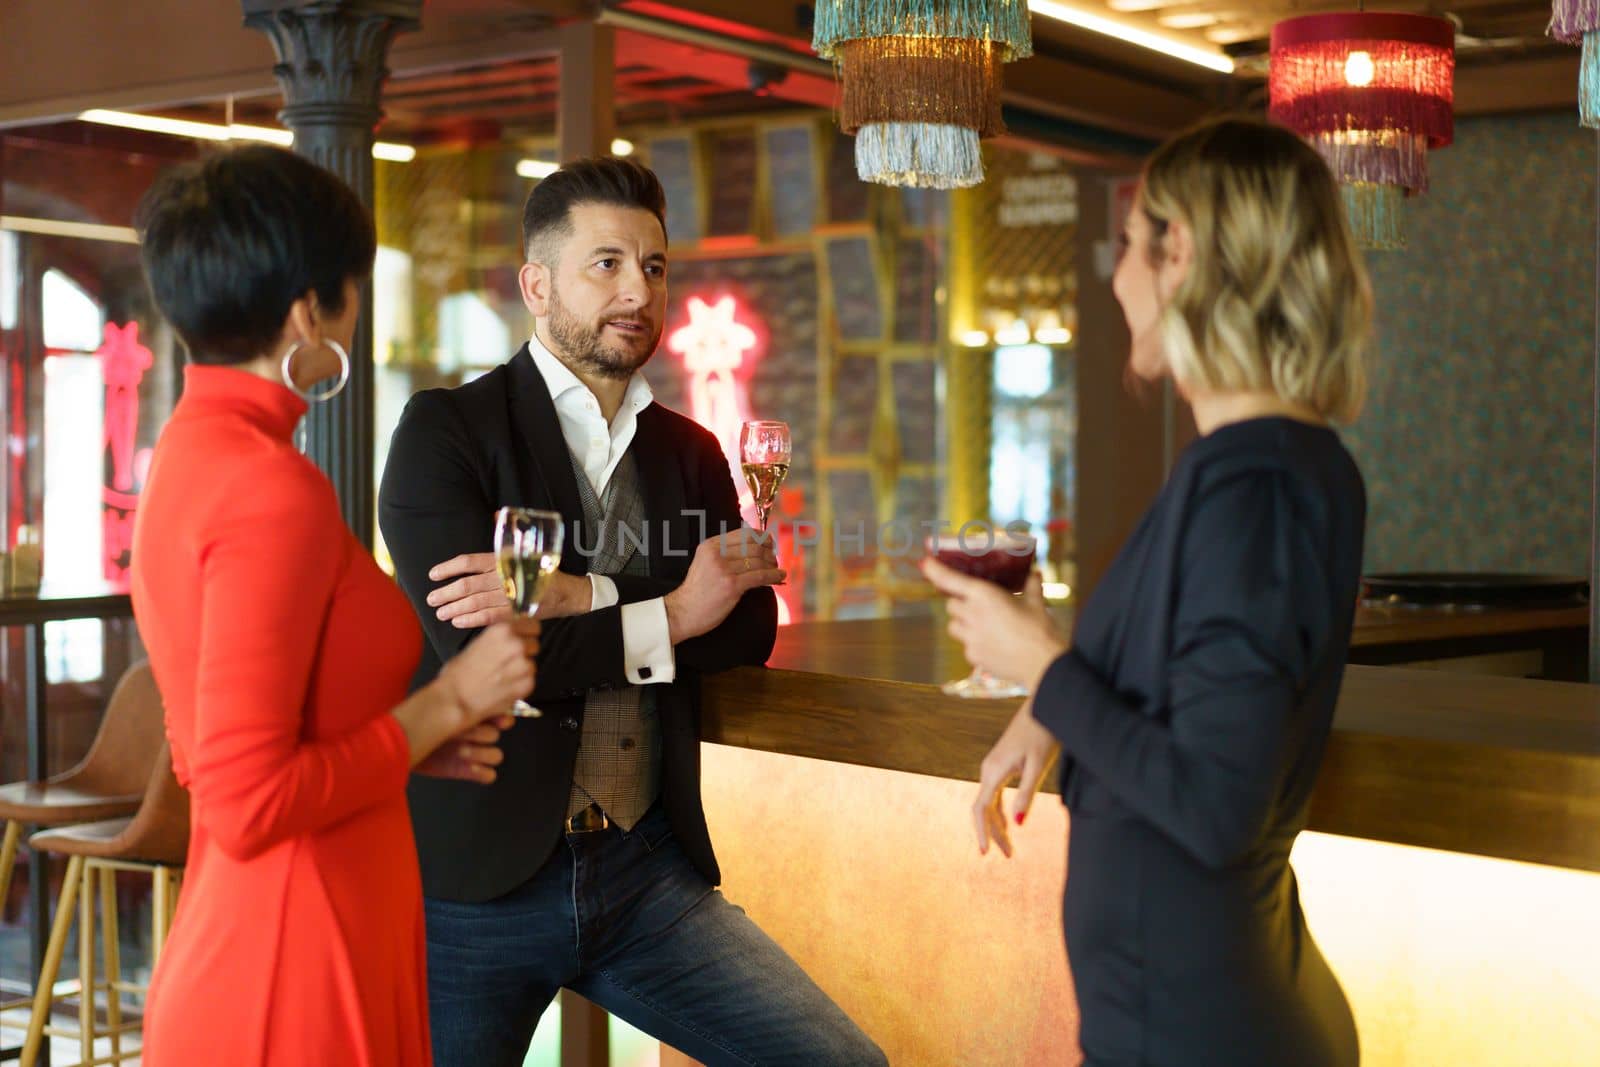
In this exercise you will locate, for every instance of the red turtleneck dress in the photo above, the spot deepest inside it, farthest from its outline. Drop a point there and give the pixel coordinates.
(280, 649)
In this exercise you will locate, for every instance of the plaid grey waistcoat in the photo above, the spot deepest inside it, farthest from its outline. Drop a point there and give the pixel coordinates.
(619, 751)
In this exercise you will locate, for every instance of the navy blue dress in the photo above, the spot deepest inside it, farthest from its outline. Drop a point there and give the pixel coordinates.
(1193, 711)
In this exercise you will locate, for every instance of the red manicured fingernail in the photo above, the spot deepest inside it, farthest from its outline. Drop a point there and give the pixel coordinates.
(1020, 816)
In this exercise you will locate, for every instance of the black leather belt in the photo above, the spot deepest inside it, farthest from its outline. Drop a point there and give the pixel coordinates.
(587, 821)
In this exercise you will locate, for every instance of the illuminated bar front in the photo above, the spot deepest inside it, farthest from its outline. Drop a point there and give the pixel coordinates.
(839, 794)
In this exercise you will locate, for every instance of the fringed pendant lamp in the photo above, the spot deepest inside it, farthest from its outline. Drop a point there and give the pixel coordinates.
(1374, 93)
(921, 82)
(1578, 22)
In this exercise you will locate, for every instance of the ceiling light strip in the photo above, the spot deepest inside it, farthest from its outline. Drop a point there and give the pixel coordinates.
(58, 228)
(211, 131)
(1133, 35)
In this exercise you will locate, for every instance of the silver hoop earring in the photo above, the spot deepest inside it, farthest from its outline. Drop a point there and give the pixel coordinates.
(310, 397)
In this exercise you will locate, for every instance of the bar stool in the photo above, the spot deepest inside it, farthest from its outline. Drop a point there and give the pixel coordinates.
(108, 783)
(154, 841)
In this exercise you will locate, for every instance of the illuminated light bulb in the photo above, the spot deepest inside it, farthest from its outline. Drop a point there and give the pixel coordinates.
(1187, 20)
(536, 168)
(1359, 69)
(1017, 333)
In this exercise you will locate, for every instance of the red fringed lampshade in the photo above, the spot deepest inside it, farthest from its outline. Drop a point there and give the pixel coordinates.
(1374, 92)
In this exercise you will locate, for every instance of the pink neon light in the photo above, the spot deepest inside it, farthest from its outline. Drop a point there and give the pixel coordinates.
(123, 361)
(713, 344)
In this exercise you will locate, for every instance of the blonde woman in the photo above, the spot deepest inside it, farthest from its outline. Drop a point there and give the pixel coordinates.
(1193, 707)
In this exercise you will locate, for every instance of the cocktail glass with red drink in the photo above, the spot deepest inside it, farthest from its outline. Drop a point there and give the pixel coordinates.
(999, 556)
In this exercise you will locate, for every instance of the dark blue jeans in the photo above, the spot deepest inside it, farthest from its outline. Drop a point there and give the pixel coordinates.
(626, 920)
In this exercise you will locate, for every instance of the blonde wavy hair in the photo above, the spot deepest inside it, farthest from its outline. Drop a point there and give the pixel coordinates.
(1276, 297)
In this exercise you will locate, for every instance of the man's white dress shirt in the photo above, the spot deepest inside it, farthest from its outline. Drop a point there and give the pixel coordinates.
(646, 638)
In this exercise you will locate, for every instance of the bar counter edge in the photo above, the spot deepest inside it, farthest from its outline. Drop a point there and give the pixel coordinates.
(1500, 767)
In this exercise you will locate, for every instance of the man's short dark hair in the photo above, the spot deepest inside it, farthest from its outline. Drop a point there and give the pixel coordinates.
(230, 242)
(547, 216)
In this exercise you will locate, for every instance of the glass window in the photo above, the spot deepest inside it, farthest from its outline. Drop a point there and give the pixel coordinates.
(72, 320)
(1034, 420)
(74, 414)
(9, 282)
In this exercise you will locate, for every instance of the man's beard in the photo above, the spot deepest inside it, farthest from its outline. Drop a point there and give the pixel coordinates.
(582, 346)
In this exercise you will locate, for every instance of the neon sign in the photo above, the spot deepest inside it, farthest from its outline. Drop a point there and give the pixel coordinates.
(123, 361)
(714, 344)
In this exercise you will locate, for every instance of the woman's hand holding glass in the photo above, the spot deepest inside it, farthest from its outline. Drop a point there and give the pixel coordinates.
(1006, 635)
(527, 552)
(1014, 637)
(455, 723)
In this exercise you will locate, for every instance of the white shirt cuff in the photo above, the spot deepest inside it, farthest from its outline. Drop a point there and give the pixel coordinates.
(647, 653)
(602, 592)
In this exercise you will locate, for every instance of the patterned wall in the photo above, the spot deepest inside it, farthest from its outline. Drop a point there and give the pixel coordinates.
(1476, 439)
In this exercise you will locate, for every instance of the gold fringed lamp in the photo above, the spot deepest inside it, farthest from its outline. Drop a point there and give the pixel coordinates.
(1374, 92)
(921, 82)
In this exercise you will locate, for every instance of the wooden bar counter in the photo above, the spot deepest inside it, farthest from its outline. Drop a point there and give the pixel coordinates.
(839, 783)
(1503, 767)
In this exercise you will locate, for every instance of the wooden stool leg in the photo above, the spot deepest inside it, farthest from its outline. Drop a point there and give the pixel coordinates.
(86, 968)
(175, 882)
(160, 912)
(43, 990)
(113, 960)
(8, 859)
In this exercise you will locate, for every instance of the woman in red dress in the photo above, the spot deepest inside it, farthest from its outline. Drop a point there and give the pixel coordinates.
(283, 652)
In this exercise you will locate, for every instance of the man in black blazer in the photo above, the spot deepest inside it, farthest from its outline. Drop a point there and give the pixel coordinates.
(586, 862)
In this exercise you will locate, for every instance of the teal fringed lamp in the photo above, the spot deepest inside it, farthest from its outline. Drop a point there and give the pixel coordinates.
(921, 82)
(1578, 22)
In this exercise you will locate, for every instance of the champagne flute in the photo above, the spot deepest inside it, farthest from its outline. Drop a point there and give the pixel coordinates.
(764, 456)
(997, 556)
(527, 551)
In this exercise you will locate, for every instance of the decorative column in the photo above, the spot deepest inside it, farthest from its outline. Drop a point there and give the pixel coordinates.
(331, 68)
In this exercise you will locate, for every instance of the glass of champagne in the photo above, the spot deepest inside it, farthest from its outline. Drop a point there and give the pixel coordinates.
(527, 551)
(997, 556)
(764, 456)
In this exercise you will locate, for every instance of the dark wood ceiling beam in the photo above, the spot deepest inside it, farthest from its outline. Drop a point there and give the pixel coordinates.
(1518, 85)
(488, 104)
(63, 56)
(1083, 94)
(720, 68)
(539, 70)
(492, 94)
(1047, 85)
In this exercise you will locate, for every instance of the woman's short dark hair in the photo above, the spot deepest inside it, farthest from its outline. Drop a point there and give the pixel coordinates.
(546, 217)
(233, 240)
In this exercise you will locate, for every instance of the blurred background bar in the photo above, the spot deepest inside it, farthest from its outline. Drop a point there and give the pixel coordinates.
(941, 356)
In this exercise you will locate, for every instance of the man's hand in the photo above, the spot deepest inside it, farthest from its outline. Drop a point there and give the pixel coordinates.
(724, 569)
(477, 598)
